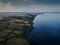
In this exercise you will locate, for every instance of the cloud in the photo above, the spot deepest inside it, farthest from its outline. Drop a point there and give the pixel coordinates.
(28, 6)
(47, 1)
(10, 8)
(16, 1)
(19, 2)
(6, 1)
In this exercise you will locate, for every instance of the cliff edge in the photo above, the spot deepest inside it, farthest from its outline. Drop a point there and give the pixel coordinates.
(14, 30)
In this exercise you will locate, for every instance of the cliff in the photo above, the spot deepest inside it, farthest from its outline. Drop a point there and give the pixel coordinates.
(16, 28)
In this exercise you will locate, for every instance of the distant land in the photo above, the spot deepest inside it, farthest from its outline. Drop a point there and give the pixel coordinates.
(3, 13)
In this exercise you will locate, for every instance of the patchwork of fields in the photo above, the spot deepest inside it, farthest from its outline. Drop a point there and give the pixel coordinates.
(14, 30)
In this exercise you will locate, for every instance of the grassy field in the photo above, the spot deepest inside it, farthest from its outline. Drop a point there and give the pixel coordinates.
(12, 34)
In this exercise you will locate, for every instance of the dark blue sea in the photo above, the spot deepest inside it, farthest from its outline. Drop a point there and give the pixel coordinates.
(47, 29)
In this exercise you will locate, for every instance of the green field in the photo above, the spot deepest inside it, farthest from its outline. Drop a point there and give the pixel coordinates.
(13, 32)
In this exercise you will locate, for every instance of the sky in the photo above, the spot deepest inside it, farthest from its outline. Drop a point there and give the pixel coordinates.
(29, 5)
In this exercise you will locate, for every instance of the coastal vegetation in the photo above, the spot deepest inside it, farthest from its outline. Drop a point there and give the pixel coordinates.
(14, 30)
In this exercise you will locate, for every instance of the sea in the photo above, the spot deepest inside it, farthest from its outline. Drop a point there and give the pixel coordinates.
(46, 29)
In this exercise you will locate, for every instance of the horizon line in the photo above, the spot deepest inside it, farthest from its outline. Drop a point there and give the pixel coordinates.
(30, 12)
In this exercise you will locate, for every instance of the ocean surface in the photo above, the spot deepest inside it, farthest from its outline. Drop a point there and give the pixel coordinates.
(47, 29)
